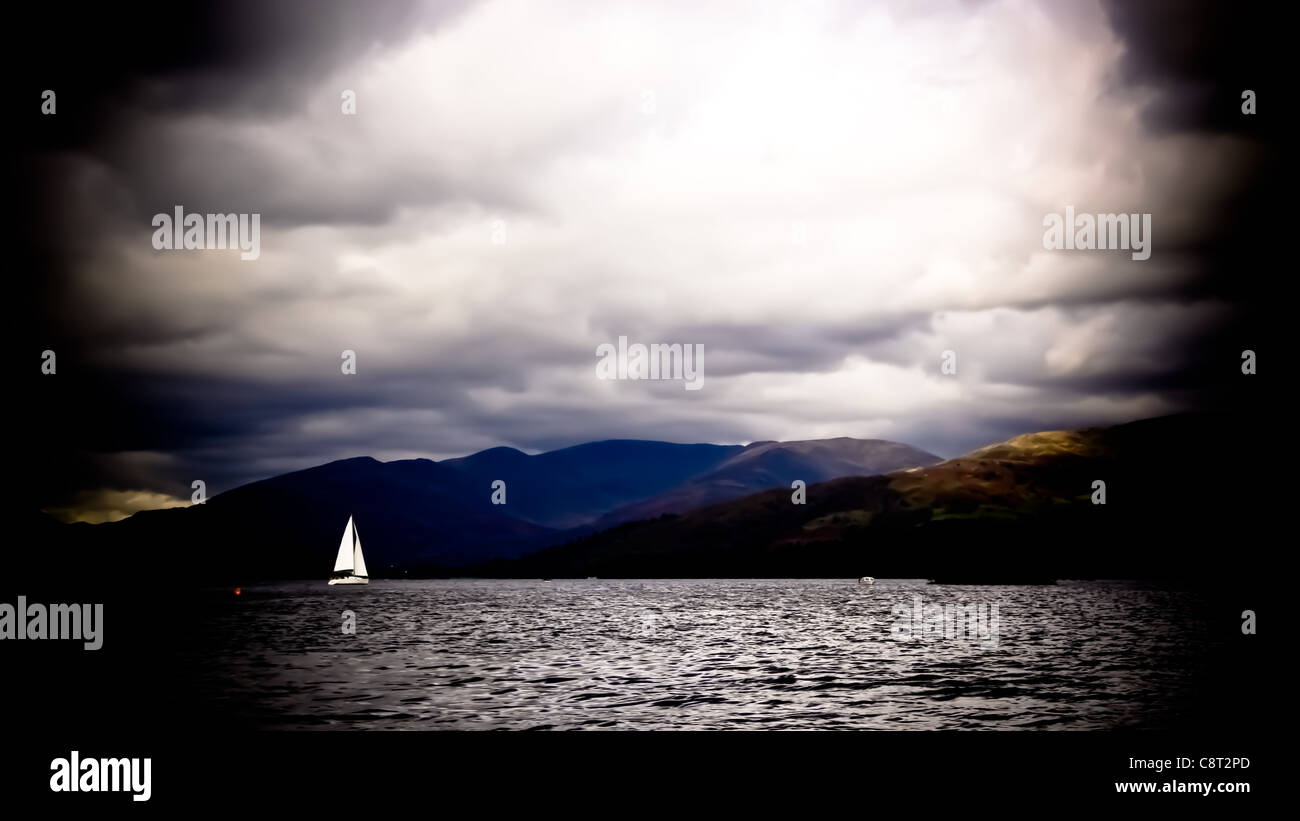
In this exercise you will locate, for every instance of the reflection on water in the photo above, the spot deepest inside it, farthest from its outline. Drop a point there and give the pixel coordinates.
(698, 654)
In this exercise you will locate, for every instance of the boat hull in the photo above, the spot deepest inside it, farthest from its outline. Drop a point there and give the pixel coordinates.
(351, 580)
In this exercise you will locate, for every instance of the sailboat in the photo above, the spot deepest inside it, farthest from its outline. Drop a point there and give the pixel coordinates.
(350, 565)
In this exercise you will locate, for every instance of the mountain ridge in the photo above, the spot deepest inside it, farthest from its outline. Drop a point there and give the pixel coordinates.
(421, 516)
(1026, 507)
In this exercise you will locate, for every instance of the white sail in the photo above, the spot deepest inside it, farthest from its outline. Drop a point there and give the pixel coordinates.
(343, 563)
(359, 565)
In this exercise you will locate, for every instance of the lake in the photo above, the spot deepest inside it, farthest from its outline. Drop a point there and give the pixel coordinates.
(740, 654)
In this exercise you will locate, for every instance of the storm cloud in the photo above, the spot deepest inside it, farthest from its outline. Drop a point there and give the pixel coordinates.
(827, 197)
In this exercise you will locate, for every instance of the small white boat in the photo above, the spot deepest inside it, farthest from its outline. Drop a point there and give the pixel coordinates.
(867, 580)
(350, 565)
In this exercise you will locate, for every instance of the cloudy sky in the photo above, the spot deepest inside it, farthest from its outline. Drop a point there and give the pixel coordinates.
(827, 196)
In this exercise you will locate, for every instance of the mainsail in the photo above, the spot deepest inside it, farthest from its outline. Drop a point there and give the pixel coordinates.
(347, 549)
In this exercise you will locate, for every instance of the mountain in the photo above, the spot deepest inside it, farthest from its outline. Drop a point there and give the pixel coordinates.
(1016, 510)
(574, 486)
(764, 465)
(418, 516)
(409, 513)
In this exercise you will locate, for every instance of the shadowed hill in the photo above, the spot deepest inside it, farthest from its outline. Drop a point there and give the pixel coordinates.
(765, 465)
(419, 517)
(573, 486)
(410, 512)
(1018, 510)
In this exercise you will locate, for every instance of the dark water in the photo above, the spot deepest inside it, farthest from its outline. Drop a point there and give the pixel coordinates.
(696, 654)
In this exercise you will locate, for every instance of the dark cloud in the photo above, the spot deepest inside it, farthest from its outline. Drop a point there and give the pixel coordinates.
(1200, 55)
(235, 57)
(168, 376)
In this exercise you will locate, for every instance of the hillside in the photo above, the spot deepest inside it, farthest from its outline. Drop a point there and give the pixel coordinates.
(765, 465)
(421, 517)
(1018, 509)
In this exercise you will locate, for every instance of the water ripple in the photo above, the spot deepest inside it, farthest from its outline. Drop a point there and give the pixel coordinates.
(694, 654)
